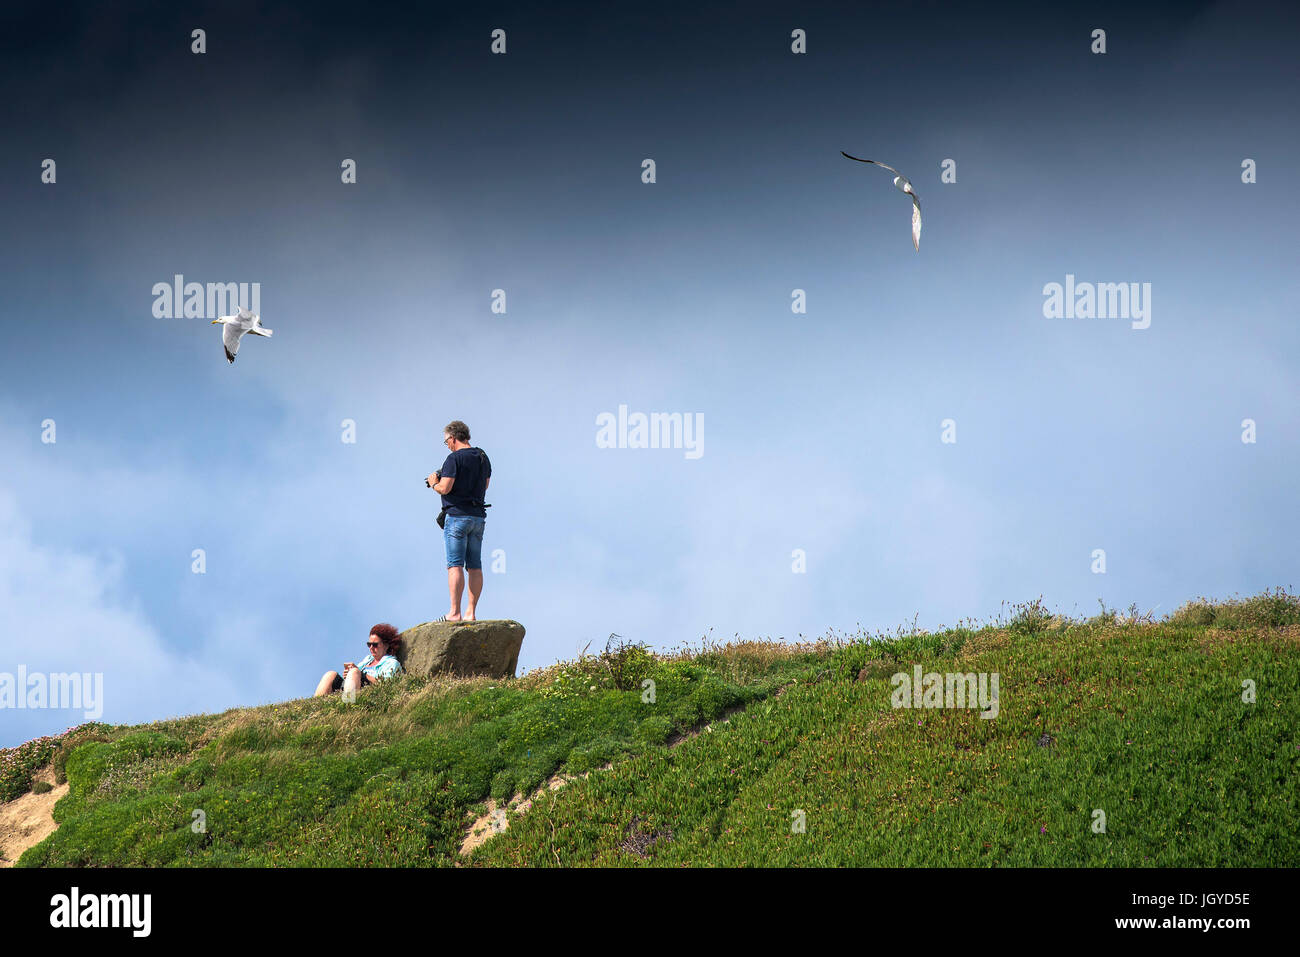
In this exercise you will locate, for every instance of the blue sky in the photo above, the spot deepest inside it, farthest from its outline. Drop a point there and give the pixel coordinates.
(822, 431)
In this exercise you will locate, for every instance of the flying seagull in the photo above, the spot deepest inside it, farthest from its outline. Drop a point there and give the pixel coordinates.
(236, 326)
(905, 186)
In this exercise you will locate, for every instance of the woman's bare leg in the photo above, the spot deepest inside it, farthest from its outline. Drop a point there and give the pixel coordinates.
(326, 684)
(352, 681)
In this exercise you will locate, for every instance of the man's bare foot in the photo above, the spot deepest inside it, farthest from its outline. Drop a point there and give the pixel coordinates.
(455, 617)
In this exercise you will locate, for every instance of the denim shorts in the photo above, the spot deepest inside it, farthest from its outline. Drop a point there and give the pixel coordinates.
(463, 537)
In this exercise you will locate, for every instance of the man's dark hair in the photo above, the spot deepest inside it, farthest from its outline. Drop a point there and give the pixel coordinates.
(458, 430)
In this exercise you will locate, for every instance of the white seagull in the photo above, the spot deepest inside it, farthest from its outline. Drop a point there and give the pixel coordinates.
(234, 328)
(904, 185)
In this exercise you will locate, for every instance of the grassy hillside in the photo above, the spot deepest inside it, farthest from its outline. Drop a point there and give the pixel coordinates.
(1142, 720)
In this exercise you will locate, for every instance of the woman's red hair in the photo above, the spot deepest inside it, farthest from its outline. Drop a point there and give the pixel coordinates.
(387, 633)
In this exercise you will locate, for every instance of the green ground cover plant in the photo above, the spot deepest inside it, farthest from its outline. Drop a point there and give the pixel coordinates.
(748, 753)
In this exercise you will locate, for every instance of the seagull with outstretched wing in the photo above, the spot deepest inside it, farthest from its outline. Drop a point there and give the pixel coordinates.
(904, 185)
(236, 327)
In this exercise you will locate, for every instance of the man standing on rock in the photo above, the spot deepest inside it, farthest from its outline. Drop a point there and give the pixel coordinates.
(462, 482)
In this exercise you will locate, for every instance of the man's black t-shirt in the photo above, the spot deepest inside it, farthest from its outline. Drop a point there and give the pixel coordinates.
(471, 469)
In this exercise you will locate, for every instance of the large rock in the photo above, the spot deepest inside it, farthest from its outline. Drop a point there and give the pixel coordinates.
(462, 648)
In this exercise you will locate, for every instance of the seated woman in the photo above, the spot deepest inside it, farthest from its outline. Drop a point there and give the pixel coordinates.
(383, 642)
